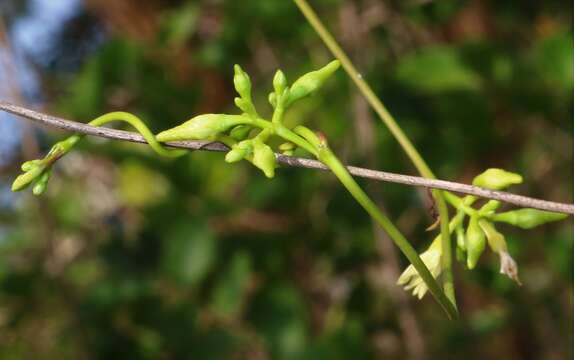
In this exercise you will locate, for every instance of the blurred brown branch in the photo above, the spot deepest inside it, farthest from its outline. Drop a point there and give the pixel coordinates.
(510, 198)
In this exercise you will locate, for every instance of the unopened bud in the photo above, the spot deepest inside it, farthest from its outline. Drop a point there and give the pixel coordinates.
(496, 179)
(273, 99)
(264, 158)
(29, 165)
(496, 240)
(240, 132)
(287, 148)
(242, 82)
(42, 183)
(528, 218)
(239, 151)
(279, 82)
(460, 244)
(24, 180)
(475, 242)
(310, 82)
(202, 127)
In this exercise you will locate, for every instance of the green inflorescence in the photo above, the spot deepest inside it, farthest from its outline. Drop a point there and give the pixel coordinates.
(247, 135)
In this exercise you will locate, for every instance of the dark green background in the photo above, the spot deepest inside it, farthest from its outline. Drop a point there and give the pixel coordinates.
(133, 256)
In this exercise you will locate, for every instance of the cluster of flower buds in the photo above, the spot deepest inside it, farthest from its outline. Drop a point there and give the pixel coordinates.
(233, 130)
(37, 172)
(255, 151)
(480, 231)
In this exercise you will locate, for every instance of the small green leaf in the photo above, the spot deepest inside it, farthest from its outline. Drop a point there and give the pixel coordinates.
(228, 295)
(528, 218)
(554, 59)
(435, 70)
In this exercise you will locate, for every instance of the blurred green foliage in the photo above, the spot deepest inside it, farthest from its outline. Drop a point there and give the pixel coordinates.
(202, 259)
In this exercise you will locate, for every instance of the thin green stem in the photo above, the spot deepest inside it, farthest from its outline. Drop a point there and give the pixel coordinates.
(289, 135)
(329, 159)
(446, 258)
(365, 89)
(395, 129)
(141, 128)
(278, 113)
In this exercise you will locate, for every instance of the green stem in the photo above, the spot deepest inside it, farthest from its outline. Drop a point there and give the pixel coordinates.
(397, 132)
(141, 128)
(63, 147)
(329, 159)
(446, 258)
(278, 113)
(289, 135)
(326, 156)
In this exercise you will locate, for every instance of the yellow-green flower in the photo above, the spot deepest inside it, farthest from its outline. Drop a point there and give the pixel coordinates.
(410, 278)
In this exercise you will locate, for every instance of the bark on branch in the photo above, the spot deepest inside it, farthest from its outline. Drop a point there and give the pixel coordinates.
(519, 200)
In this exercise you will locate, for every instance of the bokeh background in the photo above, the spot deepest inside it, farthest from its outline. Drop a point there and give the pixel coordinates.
(133, 256)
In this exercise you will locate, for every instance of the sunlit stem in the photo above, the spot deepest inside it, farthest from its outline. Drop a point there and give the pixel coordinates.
(395, 130)
(329, 159)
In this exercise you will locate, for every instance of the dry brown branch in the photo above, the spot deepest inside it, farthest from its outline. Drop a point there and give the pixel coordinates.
(519, 200)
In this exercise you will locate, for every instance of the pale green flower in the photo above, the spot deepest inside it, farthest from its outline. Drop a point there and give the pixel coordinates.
(410, 278)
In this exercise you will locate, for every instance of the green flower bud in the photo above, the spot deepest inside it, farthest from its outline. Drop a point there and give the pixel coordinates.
(490, 207)
(29, 165)
(496, 179)
(460, 244)
(310, 82)
(202, 127)
(496, 240)
(42, 183)
(235, 155)
(24, 180)
(273, 99)
(528, 218)
(241, 104)
(475, 242)
(286, 146)
(39, 188)
(279, 82)
(240, 132)
(410, 278)
(239, 151)
(242, 82)
(264, 158)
